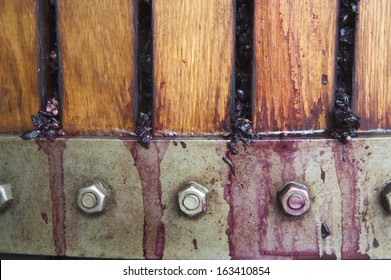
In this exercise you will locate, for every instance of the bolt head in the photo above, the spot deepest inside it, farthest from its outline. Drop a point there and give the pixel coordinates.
(93, 198)
(294, 199)
(192, 199)
(385, 196)
(6, 196)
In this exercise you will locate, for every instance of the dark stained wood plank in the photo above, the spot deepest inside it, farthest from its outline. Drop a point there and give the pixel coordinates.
(295, 44)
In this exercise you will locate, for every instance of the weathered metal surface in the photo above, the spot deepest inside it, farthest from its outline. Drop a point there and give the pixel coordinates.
(242, 218)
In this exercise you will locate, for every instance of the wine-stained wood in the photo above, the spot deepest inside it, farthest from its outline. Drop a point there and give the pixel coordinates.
(193, 62)
(97, 58)
(372, 100)
(295, 44)
(19, 84)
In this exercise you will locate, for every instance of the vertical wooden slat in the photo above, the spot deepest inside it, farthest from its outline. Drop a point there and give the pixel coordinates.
(193, 62)
(97, 58)
(372, 81)
(19, 85)
(294, 43)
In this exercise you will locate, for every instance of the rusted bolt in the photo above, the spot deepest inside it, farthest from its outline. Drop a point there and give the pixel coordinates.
(294, 199)
(385, 196)
(93, 198)
(192, 199)
(6, 196)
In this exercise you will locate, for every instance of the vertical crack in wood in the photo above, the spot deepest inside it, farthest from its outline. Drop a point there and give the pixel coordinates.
(48, 51)
(144, 96)
(345, 121)
(242, 116)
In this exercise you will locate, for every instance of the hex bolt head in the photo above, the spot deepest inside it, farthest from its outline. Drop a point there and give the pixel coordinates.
(385, 196)
(6, 196)
(294, 199)
(93, 198)
(192, 199)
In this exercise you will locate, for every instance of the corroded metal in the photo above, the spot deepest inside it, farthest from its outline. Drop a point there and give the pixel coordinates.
(242, 220)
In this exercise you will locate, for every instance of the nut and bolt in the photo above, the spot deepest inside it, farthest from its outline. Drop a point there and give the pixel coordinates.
(192, 199)
(6, 196)
(385, 196)
(93, 198)
(294, 199)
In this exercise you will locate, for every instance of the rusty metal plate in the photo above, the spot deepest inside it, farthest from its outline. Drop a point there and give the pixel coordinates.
(242, 220)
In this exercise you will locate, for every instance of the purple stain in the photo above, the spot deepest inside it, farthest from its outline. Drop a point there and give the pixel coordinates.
(322, 175)
(195, 244)
(44, 216)
(183, 144)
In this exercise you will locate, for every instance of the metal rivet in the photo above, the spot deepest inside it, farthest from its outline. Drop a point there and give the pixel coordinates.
(192, 199)
(89, 200)
(191, 202)
(6, 196)
(93, 198)
(385, 196)
(296, 202)
(294, 199)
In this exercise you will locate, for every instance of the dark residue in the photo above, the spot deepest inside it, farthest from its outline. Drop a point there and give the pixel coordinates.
(325, 231)
(230, 164)
(44, 216)
(345, 121)
(375, 243)
(322, 174)
(242, 124)
(144, 130)
(195, 245)
(183, 144)
(144, 72)
(47, 123)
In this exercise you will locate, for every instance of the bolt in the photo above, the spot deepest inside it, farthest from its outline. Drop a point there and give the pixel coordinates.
(294, 199)
(6, 196)
(93, 198)
(192, 199)
(385, 196)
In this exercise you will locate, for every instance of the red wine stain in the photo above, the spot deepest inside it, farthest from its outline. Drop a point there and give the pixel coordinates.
(147, 162)
(195, 244)
(44, 216)
(347, 174)
(55, 152)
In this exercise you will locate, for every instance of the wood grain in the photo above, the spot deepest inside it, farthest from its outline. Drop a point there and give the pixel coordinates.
(193, 62)
(97, 58)
(19, 85)
(372, 81)
(295, 44)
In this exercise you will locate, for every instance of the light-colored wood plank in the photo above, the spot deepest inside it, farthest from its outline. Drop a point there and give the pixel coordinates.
(295, 44)
(19, 85)
(372, 101)
(97, 57)
(193, 62)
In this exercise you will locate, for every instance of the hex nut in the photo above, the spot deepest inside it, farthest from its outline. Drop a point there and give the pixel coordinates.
(294, 199)
(192, 199)
(93, 199)
(385, 197)
(6, 196)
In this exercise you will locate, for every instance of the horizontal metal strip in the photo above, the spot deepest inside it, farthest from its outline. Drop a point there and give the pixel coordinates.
(240, 215)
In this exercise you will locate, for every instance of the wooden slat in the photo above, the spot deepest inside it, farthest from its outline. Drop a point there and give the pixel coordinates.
(19, 85)
(294, 54)
(97, 57)
(193, 61)
(372, 101)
